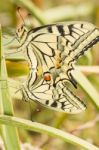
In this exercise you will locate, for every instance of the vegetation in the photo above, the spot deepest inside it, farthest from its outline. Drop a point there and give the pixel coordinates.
(40, 125)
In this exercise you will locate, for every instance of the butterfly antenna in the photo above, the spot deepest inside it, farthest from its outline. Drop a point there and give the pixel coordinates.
(10, 53)
(15, 38)
(17, 90)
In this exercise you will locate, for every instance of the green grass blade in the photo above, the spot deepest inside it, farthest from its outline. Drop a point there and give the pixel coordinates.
(40, 128)
(87, 87)
(66, 12)
(9, 133)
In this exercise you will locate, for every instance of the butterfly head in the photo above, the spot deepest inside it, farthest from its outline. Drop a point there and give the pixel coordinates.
(21, 32)
(50, 78)
(47, 77)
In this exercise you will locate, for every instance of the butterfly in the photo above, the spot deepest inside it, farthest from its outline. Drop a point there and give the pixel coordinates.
(51, 52)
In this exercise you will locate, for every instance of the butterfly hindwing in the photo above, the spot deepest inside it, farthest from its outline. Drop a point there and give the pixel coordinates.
(60, 99)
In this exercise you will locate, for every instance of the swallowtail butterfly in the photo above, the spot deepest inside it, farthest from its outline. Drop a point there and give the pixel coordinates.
(51, 52)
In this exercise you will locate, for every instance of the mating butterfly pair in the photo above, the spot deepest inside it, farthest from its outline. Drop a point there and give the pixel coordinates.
(51, 52)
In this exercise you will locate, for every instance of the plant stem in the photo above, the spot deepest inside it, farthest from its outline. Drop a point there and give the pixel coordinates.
(87, 87)
(40, 128)
(66, 12)
(9, 133)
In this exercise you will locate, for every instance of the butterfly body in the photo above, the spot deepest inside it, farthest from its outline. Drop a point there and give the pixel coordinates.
(51, 52)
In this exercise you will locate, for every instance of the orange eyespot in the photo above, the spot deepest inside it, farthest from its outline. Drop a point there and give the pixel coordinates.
(47, 77)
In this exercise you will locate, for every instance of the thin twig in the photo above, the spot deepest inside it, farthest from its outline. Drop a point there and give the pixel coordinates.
(89, 124)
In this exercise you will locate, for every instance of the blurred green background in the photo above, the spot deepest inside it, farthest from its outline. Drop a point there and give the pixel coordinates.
(52, 11)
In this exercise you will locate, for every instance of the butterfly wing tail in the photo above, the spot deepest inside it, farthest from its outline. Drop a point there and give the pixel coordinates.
(75, 102)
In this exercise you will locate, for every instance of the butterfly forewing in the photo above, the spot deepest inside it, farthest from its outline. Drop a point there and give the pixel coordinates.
(71, 39)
